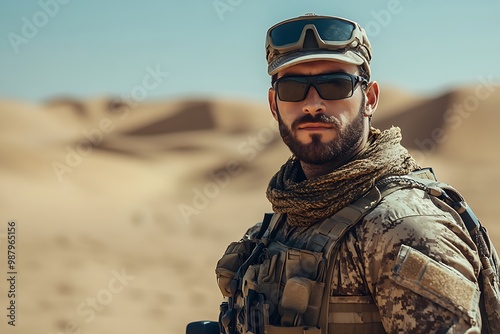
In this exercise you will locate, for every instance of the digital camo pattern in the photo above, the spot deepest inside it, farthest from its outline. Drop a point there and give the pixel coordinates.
(491, 286)
(366, 261)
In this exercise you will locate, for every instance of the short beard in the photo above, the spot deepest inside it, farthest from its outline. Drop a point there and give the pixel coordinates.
(318, 153)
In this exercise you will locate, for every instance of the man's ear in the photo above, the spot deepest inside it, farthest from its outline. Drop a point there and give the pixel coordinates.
(271, 95)
(372, 95)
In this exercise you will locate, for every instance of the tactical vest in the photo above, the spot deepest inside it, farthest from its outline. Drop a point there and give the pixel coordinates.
(276, 289)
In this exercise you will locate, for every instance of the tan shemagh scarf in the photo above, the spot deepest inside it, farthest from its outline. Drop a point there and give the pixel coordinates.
(308, 201)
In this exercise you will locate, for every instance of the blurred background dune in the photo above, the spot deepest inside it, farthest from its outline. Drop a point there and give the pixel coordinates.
(161, 188)
(136, 142)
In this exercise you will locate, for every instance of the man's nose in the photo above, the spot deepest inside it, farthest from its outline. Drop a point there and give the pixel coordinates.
(313, 103)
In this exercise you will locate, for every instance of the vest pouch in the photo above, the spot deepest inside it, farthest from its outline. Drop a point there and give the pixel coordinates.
(311, 316)
(301, 302)
(268, 268)
(234, 256)
(296, 294)
(257, 312)
(267, 276)
(250, 280)
(295, 300)
(260, 293)
(303, 263)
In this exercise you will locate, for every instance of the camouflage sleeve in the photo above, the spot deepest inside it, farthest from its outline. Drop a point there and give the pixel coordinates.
(421, 266)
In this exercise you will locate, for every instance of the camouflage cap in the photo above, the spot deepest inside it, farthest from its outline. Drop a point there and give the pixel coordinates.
(310, 37)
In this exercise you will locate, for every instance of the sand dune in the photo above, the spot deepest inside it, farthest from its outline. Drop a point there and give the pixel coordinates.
(123, 210)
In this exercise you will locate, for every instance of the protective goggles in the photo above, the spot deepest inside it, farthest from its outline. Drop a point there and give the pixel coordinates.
(332, 86)
(332, 33)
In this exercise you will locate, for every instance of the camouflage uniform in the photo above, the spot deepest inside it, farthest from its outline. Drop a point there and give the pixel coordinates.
(367, 264)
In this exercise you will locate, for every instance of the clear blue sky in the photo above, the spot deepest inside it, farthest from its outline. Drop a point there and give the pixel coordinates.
(87, 48)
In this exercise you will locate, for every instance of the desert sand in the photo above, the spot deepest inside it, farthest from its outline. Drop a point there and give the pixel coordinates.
(122, 210)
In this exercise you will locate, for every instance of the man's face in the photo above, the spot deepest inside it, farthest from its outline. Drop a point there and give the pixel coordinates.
(317, 130)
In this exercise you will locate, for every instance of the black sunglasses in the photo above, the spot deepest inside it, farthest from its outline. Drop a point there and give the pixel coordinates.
(331, 86)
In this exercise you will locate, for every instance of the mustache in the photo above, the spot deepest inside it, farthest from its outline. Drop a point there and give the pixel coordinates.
(318, 118)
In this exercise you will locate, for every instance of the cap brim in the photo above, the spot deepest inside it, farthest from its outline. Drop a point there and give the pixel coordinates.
(295, 58)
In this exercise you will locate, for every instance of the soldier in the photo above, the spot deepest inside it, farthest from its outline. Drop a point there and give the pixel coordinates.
(354, 244)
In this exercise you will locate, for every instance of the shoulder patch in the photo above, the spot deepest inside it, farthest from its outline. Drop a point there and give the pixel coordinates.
(436, 282)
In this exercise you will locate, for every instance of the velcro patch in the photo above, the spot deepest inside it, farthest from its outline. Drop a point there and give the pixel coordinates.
(436, 282)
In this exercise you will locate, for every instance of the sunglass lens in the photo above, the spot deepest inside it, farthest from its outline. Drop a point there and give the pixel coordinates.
(291, 89)
(335, 88)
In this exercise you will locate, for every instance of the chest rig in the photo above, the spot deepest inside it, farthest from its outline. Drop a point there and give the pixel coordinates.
(276, 289)
(280, 289)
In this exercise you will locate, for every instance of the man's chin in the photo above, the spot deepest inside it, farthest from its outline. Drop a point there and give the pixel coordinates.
(315, 139)
(314, 153)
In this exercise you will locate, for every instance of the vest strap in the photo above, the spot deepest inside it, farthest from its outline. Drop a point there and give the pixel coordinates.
(273, 223)
(333, 228)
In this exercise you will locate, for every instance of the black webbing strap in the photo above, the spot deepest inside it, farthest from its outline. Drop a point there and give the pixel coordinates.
(265, 224)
